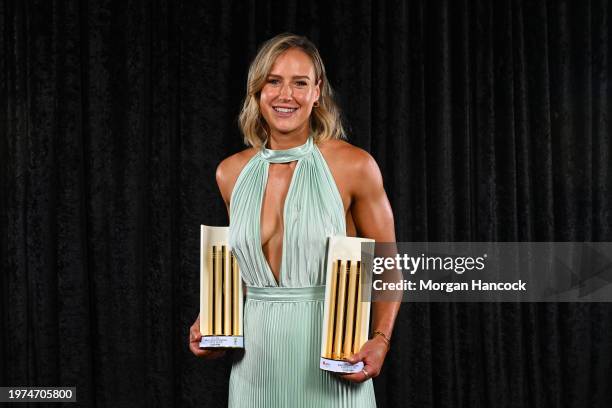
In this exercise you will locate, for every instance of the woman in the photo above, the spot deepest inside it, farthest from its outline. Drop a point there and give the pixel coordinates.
(296, 185)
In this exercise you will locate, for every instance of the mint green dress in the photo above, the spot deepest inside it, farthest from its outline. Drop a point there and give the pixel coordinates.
(282, 321)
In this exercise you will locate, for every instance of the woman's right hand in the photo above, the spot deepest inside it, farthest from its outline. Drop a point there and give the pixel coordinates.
(194, 343)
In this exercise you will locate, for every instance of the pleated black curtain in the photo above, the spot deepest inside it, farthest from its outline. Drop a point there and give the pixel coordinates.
(490, 121)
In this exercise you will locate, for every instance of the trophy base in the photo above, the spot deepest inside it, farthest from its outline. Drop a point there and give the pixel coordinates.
(222, 342)
(340, 366)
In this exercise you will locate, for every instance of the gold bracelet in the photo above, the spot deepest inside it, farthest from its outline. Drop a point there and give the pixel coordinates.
(384, 336)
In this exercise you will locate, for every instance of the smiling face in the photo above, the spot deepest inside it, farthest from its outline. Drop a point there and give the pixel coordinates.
(289, 92)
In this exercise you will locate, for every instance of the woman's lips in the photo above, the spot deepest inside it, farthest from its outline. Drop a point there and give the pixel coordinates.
(284, 114)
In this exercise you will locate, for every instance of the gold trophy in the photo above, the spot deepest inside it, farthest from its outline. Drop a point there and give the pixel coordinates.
(220, 291)
(346, 316)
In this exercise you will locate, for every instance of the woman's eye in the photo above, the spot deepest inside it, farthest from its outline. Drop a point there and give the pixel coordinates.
(276, 81)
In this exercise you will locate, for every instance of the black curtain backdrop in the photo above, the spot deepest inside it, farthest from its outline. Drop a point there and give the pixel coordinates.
(490, 121)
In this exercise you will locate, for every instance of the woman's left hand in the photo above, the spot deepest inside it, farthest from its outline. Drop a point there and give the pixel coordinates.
(372, 354)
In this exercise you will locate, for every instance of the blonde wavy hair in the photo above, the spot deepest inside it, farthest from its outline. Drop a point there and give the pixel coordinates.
(325, 120)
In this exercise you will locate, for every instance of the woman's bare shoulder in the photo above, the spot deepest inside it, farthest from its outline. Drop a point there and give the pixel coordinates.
(342, 152)
(353, 168)
(229, 169)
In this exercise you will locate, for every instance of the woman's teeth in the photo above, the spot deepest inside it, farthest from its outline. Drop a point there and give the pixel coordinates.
(285, 110)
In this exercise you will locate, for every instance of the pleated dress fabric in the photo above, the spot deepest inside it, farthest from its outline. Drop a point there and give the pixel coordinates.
(282, 320)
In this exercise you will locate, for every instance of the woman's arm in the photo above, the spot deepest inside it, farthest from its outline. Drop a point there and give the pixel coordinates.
(373, 218)
(226, 175)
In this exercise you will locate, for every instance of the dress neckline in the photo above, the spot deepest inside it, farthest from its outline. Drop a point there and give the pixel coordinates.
(287, 155)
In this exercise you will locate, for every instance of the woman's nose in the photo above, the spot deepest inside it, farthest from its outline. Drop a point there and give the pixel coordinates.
(286, 90)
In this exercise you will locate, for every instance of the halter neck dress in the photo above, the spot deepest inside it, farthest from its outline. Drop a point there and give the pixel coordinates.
(282, 320)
